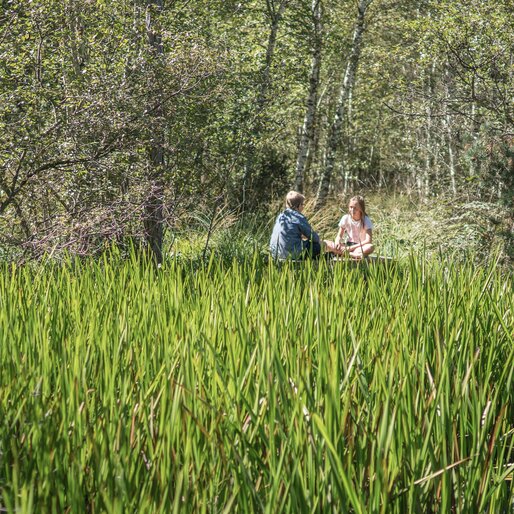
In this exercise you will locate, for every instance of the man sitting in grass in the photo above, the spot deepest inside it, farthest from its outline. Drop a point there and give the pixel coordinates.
(292, 235)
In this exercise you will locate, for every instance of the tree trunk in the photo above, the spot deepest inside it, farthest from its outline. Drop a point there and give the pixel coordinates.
(425, 190)
(262, 98)
(275, 16)
(307, 132)
(334, 136)
(475, 131)
(430, 141)
(154, 204)
(448, 122)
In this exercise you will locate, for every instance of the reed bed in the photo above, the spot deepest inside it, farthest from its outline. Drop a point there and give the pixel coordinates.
(251, 387)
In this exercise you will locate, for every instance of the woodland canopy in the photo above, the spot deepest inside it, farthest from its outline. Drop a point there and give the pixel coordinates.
(118, 117)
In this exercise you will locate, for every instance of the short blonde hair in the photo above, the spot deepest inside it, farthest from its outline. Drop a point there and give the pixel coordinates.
(294, 200)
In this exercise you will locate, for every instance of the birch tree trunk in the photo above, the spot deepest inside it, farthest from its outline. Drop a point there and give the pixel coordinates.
(475, 129)
(347, 178)
(306, 143)
(448, 123)
(275, 16)
(275, 13)
(430, 139)
(154, 204)
(428, 146)
(335, 131)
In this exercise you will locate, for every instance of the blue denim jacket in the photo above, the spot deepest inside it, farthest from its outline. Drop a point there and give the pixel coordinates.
(286, 238)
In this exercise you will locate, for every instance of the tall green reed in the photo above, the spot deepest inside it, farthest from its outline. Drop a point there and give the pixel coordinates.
(243, 386)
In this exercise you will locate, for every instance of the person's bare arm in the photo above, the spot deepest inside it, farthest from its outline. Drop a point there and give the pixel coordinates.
(366, 241)
(339, 236)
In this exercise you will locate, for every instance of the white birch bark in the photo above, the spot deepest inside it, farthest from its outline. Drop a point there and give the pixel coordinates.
(275, 13)
(430, 141)
(348, 82)
(275, 16)
(475, 130)
(448, 123)
(307, 131)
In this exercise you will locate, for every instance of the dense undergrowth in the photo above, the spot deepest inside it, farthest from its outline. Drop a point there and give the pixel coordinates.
(460, 229)
(237, 385)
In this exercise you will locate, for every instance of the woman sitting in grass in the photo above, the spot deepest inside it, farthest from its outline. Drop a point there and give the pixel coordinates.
(292, 235)
(358, 229)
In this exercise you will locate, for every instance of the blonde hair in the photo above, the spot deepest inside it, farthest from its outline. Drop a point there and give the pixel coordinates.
(294, 200)
(360, 202)
(362, 206)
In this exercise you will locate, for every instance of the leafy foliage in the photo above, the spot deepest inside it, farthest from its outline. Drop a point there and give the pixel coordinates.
(87, 101)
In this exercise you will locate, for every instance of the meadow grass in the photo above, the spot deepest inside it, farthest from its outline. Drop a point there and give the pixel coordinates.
(243, 386)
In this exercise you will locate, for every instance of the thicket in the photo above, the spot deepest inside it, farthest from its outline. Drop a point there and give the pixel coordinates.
(451, 229)
(116, 118)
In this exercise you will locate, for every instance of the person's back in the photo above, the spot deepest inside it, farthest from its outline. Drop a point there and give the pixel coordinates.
(292, 235)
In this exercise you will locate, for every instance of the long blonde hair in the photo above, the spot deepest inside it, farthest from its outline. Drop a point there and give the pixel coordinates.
(362, 206)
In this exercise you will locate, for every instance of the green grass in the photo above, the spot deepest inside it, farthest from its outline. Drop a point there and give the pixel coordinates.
(239, 386)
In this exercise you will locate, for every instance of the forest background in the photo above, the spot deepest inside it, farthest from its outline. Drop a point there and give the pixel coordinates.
(135, 121)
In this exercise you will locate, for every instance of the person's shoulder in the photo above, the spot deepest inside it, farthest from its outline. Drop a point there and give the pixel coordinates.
(367, 222)
(344, 219)
(298, 215)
